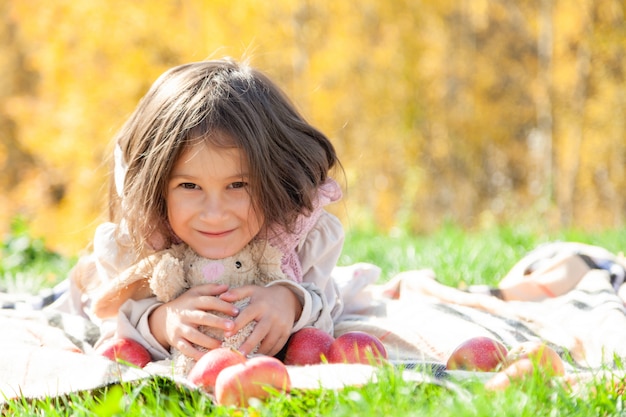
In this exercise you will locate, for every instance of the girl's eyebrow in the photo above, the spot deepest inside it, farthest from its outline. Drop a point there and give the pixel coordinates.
(175, 174)
(238, 175)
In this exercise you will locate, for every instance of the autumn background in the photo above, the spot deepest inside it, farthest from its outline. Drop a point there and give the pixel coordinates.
(472, 112)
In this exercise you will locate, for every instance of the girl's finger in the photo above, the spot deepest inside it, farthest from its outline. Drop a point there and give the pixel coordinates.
(273, 344)
(264, 338)
(213, 303)
(210, 319)
(235, 294)
(207, 290)
(254, 340)
(201, 339)
(187, 349)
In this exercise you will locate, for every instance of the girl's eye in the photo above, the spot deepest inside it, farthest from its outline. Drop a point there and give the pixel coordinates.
(188, 186)
(238, 184)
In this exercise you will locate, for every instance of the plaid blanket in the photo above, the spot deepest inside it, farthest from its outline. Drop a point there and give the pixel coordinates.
(586, 325)
(46, 353)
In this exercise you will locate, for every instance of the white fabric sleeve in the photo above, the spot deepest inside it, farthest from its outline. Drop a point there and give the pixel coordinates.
(91, 271)
(132, 321)
(110, 258)
(320, 297)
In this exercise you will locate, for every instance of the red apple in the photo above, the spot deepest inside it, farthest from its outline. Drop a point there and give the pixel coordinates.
(357, 347)
(477, 354)
(255, 378)
(308, 346)
(205, 371)
(125, 350)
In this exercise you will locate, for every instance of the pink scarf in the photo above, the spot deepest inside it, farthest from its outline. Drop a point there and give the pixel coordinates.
(288, 243)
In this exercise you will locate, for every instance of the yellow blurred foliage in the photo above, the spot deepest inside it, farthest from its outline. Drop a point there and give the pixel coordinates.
(440, 110)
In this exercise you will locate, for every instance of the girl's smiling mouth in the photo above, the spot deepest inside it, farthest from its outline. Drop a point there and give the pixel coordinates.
(217, 234)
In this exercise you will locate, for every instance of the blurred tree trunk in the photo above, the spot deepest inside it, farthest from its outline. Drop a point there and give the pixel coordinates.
(15, 79)
(614, 184)
(570, 171)
(542, 148)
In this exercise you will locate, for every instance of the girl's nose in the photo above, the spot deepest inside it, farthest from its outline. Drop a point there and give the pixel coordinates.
(212, 207)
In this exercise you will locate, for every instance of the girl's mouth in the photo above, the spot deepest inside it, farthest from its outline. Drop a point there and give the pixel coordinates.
(216, 234)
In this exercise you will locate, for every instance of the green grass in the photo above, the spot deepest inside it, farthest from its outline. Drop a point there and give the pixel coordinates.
(458, 258)
(26, 265)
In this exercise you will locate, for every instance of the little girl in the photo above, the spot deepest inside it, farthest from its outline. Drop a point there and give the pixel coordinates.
(215, 156)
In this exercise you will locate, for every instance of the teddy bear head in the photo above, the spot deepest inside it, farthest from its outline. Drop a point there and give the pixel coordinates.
(258, 263)
(237, 270)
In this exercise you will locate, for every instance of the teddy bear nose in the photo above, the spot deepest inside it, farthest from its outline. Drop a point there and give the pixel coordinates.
(212, 271)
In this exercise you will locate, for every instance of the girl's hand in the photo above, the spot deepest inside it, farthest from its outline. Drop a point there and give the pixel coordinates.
(176, 323)
(275, 309)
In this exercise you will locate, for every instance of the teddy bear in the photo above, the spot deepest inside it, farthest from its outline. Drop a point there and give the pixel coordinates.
(168, 273)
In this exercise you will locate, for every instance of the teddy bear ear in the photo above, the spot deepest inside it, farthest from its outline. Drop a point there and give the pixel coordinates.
(269, 259)
(255, 248)
(179, 250)
(168, 278)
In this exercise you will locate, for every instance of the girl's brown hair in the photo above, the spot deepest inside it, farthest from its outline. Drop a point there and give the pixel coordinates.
(287, 157)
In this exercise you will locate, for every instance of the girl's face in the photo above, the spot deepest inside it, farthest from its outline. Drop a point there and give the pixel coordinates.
(208, 203)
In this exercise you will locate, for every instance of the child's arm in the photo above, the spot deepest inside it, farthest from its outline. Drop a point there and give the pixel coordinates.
(157, 326)
(318, 256)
